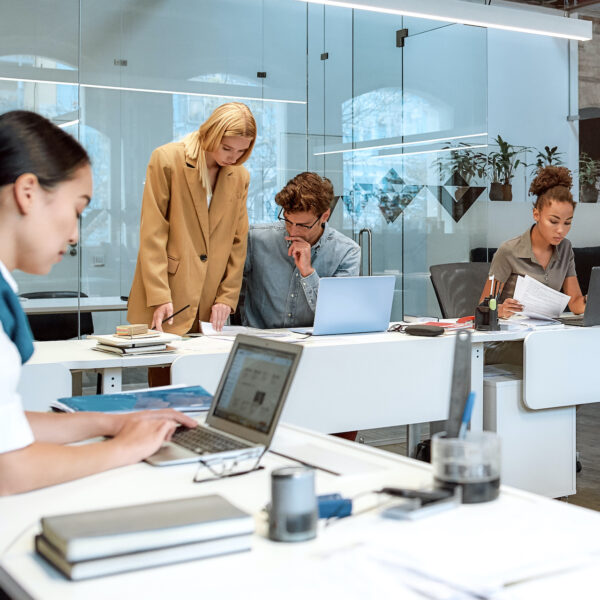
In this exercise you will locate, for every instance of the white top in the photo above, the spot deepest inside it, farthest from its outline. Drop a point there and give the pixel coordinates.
(15, 431)
(208, 199)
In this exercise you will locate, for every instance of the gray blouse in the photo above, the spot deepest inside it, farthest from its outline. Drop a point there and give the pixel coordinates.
(515, 257)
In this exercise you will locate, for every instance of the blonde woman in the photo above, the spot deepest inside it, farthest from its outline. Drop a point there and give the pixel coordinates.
(194, 225)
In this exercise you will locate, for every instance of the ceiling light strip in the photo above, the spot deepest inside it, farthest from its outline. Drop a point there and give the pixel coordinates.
(68, 123)
(403, 144)
(403, 154)
(468, 13)
(151, 91)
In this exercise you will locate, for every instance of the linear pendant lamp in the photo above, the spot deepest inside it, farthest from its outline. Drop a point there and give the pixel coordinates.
(481, 15)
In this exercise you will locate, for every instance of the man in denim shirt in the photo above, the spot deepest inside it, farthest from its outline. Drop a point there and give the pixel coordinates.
(285, 260)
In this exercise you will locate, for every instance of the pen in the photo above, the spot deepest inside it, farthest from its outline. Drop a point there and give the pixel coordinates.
(175, 313)
(492, 286)
(466, 415)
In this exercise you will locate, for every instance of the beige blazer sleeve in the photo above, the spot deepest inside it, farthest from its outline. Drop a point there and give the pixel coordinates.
(154, 230)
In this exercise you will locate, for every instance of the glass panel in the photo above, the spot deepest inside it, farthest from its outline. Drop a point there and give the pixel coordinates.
(40, 47)
(445, 96)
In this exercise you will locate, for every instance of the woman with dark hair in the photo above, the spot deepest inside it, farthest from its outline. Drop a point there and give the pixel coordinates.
(543, 251)
(45, 184)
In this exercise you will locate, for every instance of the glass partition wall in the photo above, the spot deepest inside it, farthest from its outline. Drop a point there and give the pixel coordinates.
(393, 110)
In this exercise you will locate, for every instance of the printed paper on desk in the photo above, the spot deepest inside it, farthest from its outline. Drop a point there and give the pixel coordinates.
(230, 331)
(539, 301)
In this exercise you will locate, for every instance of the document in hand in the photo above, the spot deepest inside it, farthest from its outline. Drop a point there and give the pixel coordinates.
(185, 398)
(539, 301)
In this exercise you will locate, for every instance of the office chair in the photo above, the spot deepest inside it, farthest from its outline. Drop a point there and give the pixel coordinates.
(58, 326)
(458, 287)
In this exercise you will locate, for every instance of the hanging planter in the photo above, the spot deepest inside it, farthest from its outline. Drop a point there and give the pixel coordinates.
(503, 165)
(588, 193)
(500, 192)
(589, 171)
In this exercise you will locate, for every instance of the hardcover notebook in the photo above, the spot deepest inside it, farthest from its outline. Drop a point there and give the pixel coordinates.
(183, 398)
(101, 533)
(104, 542)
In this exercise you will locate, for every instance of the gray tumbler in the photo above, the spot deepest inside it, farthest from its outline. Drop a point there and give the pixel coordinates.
(294, 512)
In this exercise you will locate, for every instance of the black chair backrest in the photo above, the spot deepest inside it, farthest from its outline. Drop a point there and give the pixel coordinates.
(458, 287)
(58, 326)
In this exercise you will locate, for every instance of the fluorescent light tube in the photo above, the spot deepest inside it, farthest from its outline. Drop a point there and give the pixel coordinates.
(401, 145)
(468, 13)
(151, 91)
(457, 149)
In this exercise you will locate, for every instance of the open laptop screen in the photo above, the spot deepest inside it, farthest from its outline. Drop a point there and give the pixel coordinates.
(254, 386)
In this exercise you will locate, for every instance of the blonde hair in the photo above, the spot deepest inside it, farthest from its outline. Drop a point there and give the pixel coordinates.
(228, 120)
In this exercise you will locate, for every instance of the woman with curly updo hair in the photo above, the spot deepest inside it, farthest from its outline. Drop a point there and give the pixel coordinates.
(543, 251)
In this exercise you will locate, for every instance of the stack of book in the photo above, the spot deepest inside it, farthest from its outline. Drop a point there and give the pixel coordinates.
(105, 542)
(146, 343)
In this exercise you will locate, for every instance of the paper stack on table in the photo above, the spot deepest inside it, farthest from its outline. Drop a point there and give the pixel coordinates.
(230, 331)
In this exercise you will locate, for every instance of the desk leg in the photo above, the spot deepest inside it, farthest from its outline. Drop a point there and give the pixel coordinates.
(111, 380)
(413, 437)
(477, 385)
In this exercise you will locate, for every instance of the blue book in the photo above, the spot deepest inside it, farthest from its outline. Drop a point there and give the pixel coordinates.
(187, 399)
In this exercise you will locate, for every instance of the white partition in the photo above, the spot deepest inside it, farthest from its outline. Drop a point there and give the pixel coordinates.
(345, 383)
(41, 384)
(561, 367)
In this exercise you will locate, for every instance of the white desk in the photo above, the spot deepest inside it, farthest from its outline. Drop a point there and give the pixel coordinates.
(77, 355)
(517, 536)
(43, 306)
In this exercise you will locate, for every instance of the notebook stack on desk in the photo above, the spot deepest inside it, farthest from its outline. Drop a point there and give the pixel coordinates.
(147, 343)
(105, 542)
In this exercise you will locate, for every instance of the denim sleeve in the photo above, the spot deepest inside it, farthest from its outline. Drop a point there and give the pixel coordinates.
(349, 265)
(310, 287)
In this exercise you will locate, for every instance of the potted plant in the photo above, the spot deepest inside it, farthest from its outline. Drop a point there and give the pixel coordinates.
(549, 156)
(461, 165)
(503, 164)
(589, 171)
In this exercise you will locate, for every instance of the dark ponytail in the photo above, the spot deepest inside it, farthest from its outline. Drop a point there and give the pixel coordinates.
(30, 143)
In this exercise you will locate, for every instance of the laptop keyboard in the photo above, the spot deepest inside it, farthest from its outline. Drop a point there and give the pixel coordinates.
(204, 441)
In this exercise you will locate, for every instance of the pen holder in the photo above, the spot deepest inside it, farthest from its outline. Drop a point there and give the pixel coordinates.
(486, 318)
(472, 463)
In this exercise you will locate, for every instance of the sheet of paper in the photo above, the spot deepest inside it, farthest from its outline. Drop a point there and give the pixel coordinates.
(230, 331)
(539, 301)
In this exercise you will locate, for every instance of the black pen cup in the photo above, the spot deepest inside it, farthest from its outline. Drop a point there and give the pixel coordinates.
(472, 463)
(486, 318)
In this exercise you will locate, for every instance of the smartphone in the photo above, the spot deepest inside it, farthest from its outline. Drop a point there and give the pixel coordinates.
(429, 503)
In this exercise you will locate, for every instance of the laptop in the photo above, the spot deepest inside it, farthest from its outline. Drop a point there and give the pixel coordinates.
(352, 305)
(591, 315)
(246, 407)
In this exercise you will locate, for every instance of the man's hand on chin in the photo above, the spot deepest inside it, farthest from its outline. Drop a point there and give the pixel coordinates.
(300, 250)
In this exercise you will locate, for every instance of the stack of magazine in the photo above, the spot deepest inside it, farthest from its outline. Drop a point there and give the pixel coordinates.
(153, 342)
(105, 542)
(180, 397)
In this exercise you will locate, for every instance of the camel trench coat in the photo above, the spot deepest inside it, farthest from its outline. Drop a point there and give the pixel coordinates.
(189, 253)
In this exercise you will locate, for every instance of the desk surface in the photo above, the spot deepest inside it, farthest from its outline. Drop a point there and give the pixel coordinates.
(518, 536)
(41, 306)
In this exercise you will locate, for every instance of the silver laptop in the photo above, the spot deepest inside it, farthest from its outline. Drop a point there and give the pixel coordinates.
(245, 410)
(591, 315)
(352, 305)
